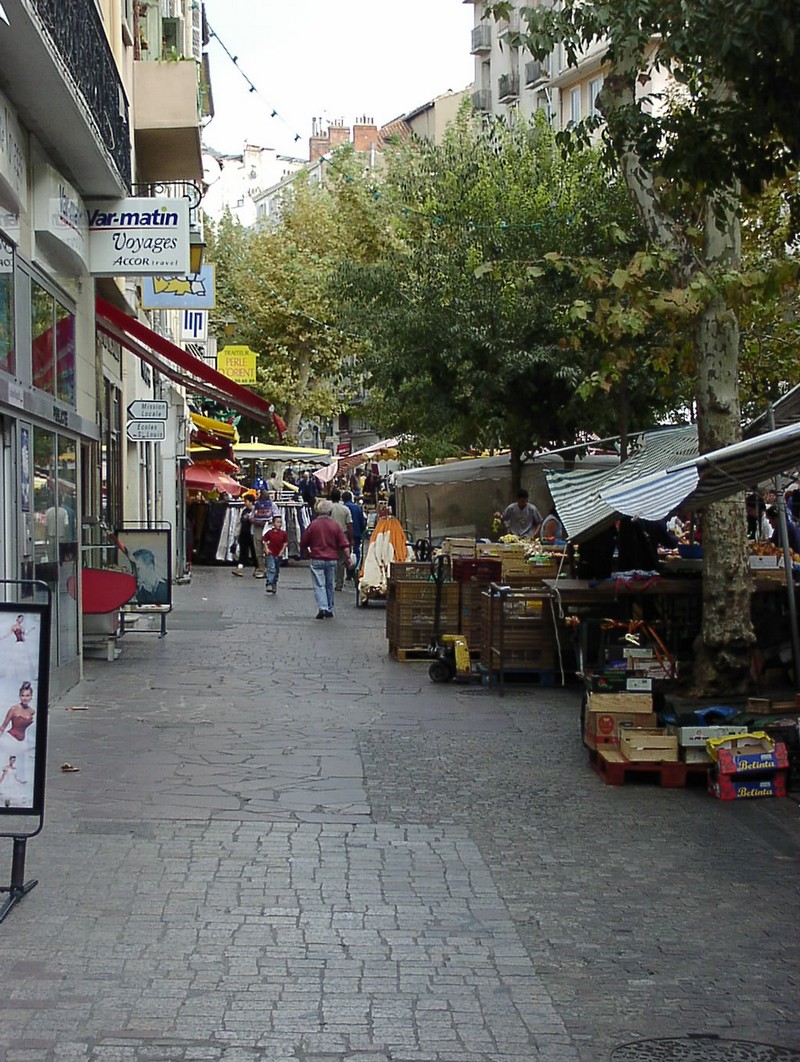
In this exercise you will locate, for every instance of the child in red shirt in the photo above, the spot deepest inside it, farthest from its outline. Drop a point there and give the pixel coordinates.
(274, 539)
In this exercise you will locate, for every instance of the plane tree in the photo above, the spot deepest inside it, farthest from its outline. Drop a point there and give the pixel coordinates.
(689, 158)
(466, 340)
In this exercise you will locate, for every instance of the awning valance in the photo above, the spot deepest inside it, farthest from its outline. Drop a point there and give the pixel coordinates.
(218, 429)
(185, 369)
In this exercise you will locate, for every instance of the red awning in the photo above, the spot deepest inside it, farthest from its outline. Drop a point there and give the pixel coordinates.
(179, 365)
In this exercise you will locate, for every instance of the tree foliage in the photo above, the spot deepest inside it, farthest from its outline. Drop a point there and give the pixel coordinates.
(467, 339)
(273, 288)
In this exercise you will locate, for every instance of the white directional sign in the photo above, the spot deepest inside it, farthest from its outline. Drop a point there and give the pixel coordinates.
(152, 409)
(147, 430)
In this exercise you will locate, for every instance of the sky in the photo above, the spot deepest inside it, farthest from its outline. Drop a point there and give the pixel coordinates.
(328, 59)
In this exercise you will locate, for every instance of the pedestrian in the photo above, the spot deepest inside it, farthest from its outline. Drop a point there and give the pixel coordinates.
(359, 527)
(264, 508)
(245, 537)
(322, 539)
(344, 518)
(275, 539)
(521, 518)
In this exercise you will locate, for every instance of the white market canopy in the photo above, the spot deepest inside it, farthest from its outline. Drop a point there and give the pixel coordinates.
(667, 472)
(385, 450)
(264, 452)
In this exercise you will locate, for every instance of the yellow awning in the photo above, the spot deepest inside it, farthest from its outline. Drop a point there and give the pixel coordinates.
(216, 427)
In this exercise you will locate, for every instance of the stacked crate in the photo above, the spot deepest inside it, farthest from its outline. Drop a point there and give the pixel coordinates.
(517, 632)
(473, 575)
(411, 609)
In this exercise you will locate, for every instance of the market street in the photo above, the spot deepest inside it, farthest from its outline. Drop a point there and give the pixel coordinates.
(281, 844)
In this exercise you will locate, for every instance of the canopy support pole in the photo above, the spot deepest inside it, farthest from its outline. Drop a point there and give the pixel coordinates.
(787, 567)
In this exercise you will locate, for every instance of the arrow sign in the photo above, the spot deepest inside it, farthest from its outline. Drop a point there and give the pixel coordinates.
(154, 409)
(146, 430)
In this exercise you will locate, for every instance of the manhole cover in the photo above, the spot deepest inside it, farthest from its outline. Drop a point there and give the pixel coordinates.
(702, 1049)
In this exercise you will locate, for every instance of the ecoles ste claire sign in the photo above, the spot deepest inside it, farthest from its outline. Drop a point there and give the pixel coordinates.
(135, 237)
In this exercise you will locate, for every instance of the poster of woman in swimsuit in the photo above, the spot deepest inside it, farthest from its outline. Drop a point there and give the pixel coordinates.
(24, 669)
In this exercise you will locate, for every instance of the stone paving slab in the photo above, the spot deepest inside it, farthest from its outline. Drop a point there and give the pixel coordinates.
(281, 844)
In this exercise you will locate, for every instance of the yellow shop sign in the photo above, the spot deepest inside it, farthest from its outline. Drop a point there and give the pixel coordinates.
(237, 363)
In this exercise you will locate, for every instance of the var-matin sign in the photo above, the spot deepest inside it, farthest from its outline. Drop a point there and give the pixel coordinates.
(135, 237)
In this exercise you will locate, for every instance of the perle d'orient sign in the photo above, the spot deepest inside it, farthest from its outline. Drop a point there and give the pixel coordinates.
(138, 237)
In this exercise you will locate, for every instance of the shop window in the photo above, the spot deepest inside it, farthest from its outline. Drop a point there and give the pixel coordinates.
(43, 338)
(53, 344)
(66, 521)
(7, 359)
(65, 354)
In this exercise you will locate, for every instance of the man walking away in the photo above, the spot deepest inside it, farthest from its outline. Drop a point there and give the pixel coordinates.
(359, 527)
(344, 518)
(275, 539)
(323, 538)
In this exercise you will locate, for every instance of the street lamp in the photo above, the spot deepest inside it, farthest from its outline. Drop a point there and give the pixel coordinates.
(197, 247)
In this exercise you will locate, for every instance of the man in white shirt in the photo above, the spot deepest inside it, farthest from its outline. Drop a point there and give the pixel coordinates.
(344, 518)
(521, 518)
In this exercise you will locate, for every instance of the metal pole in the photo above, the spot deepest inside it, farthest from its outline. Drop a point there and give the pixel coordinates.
(787, 564)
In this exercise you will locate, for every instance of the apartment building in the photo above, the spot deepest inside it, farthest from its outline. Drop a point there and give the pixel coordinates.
(101, 106)
(509, 82)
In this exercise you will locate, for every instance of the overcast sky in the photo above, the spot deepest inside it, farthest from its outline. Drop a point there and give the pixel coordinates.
(329, 59)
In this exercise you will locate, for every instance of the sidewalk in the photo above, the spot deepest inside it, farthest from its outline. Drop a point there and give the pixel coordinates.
(283, 845)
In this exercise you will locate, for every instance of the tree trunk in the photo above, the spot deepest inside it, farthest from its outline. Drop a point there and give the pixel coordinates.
(516, 470)
(722, 660)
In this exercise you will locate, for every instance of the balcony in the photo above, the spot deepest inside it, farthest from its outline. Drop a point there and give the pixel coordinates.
(481, 40)
(58, 71)
(536, 72)
(482, 100)
(508, 88)
(167, 121)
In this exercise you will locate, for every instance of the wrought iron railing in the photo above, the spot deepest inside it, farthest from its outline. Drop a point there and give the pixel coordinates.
(76, 33)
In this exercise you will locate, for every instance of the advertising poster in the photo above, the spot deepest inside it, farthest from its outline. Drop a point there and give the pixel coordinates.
(148, 553)
(23, 707)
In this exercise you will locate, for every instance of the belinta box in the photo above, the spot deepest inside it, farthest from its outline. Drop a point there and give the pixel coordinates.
(747, 754)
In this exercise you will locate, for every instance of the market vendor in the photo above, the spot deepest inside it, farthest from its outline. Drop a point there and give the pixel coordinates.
(521, 518)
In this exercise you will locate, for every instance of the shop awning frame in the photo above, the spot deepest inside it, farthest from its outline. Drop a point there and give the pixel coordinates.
(180, 366)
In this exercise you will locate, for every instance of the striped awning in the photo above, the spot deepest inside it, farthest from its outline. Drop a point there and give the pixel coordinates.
(667, 472)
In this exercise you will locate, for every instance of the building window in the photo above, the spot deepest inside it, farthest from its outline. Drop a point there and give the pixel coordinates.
(7, 359)
(575, 105)
(595, 86)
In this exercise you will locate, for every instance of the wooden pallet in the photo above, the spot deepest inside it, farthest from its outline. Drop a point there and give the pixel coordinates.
(614, 769)
(404, 655)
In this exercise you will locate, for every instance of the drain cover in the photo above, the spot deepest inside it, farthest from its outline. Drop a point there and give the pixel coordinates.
(702, 1049)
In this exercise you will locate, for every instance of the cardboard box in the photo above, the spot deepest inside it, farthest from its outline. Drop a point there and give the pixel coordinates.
(698, 735)
(764, 706)
(748, 756)
(726, 788)
(695, 754)
(648, 745)
(613, 681)
(607, 714)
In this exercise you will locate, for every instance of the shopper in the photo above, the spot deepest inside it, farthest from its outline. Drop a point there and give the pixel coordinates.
(344, 518)
(275, 539)
(264, 509)
(323, 538)
(359, 527)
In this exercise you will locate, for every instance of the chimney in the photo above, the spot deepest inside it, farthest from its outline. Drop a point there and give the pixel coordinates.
(338, 133)
(317, 143)
(365, 134)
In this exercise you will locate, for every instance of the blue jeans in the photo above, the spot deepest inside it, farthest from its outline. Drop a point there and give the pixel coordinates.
(323, 573)
(273, 569)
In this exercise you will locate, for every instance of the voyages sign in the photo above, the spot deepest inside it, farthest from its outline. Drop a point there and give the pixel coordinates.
(135, 237)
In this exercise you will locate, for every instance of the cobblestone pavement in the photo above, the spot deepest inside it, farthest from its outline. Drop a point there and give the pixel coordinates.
(283, 845)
